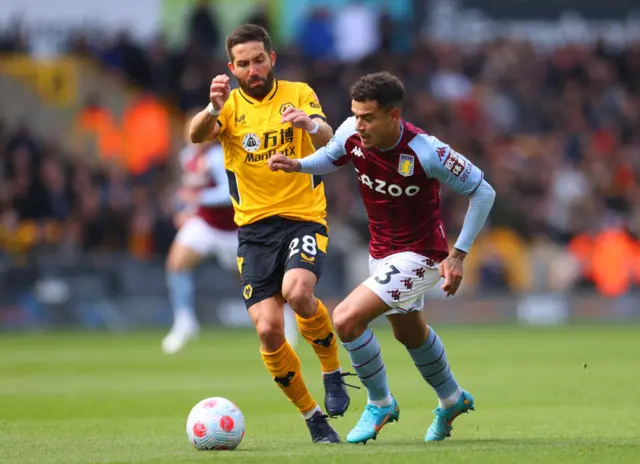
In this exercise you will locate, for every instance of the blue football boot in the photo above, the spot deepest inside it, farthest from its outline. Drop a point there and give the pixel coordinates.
(372, 420)
(441, 426)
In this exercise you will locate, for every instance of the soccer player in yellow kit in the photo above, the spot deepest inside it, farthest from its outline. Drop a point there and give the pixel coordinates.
(283, 238)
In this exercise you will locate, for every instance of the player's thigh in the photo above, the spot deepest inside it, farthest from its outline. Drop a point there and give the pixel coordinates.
(304, 248)
(401, 280)
(192, 243)
(182, 258)
(409, 328)
(190, 246)
(259, 265)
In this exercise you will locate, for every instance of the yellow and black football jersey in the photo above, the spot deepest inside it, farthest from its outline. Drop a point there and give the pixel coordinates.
(251, 132)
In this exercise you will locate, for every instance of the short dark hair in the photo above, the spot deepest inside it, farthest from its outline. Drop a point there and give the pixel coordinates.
(383, 87)
(248, 33)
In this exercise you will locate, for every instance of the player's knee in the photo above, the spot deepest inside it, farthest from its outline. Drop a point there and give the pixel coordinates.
(299, 294)
(271, 334)
(411, 336)
(402, 335)
(302, 302)
(181, 258)
(346, 324)
(174, 264)
(176, 259)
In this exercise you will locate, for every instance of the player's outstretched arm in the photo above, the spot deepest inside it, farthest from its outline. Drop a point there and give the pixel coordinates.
(204, 125)
(453, 169)
(480, 204)
(318, 163)
(327, 159)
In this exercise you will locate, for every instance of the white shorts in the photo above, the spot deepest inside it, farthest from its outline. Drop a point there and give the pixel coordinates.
(200, 237)
(401, 280)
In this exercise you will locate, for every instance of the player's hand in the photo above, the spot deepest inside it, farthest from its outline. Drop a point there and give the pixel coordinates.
(298, 119)
(451, 270)
(279, 162)
(219, 91)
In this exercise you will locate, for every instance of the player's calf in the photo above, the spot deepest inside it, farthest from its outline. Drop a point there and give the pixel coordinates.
(180, 283)
(381, 408)
(270, 331)
(283, 364)
(315, 326)
(350, 320)
(430, 359)
(366, 359)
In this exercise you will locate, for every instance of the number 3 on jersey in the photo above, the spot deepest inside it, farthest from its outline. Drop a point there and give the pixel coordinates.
(386, 277)
(309, 246)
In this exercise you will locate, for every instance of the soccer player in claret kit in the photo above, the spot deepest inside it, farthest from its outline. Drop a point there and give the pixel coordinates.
(283, 234)
(400, 169)
(206, 227)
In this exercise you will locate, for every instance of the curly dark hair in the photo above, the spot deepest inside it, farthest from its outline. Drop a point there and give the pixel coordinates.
(248, 33)
(382, 87)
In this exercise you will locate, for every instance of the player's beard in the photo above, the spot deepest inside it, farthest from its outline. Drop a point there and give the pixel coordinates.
(260, 91)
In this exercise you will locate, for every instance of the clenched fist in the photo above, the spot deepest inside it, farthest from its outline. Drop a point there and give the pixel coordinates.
(219, 91)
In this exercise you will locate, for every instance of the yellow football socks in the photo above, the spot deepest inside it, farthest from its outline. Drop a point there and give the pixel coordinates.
(318, 331)
(284, 366)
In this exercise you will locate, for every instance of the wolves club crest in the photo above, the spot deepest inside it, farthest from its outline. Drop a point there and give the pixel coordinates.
(284, 107)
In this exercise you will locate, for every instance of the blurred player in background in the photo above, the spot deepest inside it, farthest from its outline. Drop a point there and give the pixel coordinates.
(205, 227)
(400, 170)
(283, 235)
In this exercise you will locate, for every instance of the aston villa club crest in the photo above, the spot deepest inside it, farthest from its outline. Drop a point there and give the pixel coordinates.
(406, 165)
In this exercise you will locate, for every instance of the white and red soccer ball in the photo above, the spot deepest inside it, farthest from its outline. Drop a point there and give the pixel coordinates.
(215, 424)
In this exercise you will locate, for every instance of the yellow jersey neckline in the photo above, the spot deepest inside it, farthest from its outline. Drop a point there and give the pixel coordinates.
(269, 97)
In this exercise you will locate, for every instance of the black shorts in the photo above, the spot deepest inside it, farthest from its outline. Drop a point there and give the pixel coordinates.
(270, 247)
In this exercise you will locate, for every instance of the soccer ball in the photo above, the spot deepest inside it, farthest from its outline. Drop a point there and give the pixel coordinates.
(215, 424)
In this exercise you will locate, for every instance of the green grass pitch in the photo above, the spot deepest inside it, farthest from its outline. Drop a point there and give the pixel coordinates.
(565, 395)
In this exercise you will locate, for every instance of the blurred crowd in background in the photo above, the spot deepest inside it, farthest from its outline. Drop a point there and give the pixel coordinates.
(556, 131)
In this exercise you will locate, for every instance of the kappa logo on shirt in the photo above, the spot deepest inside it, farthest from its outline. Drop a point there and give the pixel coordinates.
(357, 151)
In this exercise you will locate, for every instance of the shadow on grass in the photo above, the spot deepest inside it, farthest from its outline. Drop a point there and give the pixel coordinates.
(513, 443)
